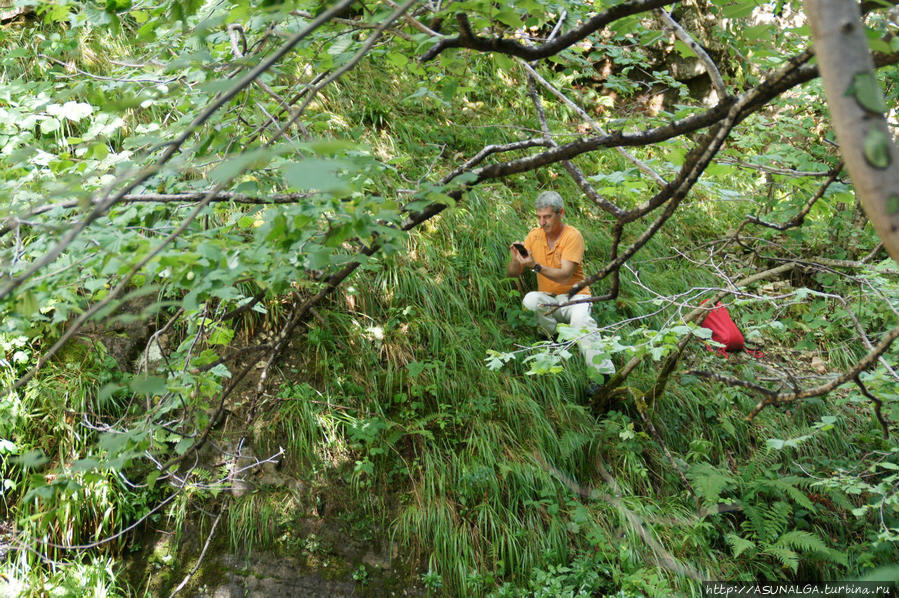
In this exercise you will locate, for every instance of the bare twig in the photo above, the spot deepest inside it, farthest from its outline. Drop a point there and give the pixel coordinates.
(878, 407)
(190, 573)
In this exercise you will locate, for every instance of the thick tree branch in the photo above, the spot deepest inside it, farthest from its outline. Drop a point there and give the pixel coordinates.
(494, 149)
(468, 39)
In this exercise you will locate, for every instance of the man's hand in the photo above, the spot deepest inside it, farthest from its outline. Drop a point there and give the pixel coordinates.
(517, 262)
(526, 262)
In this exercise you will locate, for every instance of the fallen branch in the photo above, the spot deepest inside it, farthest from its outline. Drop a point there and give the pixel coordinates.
(621, 375)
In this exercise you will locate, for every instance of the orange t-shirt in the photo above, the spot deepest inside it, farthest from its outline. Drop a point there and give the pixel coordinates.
(569, 246)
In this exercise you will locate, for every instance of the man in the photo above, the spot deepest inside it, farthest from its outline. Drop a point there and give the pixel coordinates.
(555, 251)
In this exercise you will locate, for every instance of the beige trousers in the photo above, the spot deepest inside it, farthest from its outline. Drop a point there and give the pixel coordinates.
(577, 316)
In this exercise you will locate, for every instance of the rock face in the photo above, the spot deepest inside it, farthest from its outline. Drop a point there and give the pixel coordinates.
(274, 578)
(272, 575)
(279, 536)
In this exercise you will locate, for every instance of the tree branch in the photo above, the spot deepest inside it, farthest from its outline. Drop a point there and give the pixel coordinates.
(467, 39)
(186, 197)
(706, 60)
(799, 218)
(878, 406)
(866, 362)
(642, 166)
(109, 198)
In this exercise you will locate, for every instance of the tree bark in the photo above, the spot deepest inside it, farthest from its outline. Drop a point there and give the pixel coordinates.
(856, 107)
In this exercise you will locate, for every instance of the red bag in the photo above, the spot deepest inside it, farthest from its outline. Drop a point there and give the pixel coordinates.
(723, 329)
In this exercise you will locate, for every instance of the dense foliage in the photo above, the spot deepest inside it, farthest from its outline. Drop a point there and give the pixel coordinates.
(237, 233)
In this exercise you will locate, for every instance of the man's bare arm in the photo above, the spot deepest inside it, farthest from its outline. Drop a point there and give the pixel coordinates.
(561, 275)
(517, 264)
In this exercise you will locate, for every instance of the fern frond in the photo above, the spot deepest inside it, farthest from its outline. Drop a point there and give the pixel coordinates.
(787, 558)
(802, 541)
(788, 485)
(738, 544)
(709, 481)
(755, 522)
(807, 542)
(777, 520)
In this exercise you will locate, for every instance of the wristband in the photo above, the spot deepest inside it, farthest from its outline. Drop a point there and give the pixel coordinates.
(537, 267)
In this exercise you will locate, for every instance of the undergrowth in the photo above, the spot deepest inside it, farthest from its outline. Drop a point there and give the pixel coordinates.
(496, 481)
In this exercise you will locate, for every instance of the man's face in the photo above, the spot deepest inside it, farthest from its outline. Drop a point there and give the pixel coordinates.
(549, 220)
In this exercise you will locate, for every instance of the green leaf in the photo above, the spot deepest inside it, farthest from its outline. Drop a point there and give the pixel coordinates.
(95, 16)
(315, 174)
(397, 59)
(866, 91)
(738, 544)
(99, 151)
(739, 10)
(684, 50)
(27, 304)
(31, 459)
(107, 391)
(340, 45)
(149, 385)
(50, 125)
(318, 257)
(185, 444)
(220, 371)
(114, 6)
(85, 465)
(232, 167)
(877, 148)
(222, 335)
(508, 17)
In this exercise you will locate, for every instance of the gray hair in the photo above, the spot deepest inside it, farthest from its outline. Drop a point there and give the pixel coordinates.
(549, 199)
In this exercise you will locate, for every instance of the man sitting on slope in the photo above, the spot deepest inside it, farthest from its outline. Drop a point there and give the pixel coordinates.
(555, 251)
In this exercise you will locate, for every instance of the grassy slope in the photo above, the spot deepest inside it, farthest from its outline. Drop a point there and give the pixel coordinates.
(468, 446)
(478, 470)
(486, 462)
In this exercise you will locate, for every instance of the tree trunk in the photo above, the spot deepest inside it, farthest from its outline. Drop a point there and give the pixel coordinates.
(856, 108)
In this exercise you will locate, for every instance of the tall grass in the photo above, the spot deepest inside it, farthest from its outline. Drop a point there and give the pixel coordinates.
(479, 497)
